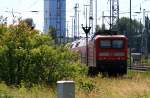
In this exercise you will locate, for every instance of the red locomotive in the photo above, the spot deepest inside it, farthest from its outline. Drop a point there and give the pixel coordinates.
(106, 53)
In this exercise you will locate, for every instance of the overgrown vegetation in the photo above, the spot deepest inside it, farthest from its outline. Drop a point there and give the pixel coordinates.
(29, 61)
(134, 85)
(31, 57)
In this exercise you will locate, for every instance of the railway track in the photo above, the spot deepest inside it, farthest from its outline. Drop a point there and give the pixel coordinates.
(139, 67)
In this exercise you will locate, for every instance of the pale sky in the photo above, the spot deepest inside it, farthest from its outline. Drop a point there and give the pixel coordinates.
(23, 8)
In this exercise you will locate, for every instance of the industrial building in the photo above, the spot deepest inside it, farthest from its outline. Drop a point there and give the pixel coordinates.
(55, 17)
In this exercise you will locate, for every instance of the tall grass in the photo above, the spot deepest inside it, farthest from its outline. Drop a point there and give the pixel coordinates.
(133, 85)
(37, 91)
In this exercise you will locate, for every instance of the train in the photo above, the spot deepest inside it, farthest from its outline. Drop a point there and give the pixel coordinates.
(103, 53)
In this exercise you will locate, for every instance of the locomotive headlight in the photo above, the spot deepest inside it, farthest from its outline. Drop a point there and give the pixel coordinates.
(119, 54)
(104, 54)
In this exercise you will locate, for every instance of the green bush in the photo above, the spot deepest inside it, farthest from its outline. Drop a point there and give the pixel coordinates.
(87, 85)
(26, 55)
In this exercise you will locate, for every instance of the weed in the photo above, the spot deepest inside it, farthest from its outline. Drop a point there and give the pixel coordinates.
(87, 85)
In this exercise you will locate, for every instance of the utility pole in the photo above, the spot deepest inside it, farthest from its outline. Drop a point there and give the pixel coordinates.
(86, 13)
(72, 27)
(78, 23)
(130, 33)
(75, 20)
(95, 15)
(67, 30)
(86, 30)
(141, 31)
(110, 17)
(91, 15)
(145, 32)
(130, 16)
(115, 13)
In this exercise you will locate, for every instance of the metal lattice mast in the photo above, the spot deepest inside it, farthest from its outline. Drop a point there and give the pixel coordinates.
(115, 13)
(91, 16)
(76, 20)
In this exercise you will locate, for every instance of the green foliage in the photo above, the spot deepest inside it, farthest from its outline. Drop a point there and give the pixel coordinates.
(22, 88)
(87, 85)
(146, 95)
(3, 95)
(124, 26)
(29, 22)
(4, 91)
(68, 66)
(137, 74)
(134, 34)
(26, 55)
(52, 32)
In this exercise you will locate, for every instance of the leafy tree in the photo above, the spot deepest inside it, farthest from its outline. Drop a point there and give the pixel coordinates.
(124, 26)
(136, 30)
(134, 37)
(103, 27)
(98, 28)
(52, 32)
(26, 55)
(29, 22)
(101, 30)
(147, 32)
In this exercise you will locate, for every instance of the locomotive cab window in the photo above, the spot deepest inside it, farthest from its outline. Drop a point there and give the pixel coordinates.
(113, 43)
(117, 44)
(105, 44)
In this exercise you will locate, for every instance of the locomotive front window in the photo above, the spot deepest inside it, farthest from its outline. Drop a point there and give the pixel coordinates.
(105, 44)
(117, 43)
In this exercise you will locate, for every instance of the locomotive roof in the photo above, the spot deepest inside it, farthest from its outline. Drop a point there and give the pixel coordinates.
(77, 43)
(82, 41)
(110, 36)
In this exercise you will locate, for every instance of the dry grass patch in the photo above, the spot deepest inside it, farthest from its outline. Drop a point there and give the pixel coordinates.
(134, 86)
